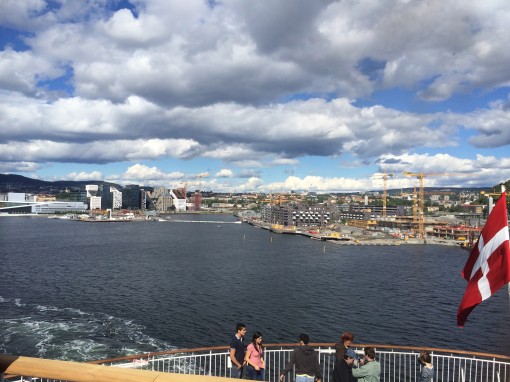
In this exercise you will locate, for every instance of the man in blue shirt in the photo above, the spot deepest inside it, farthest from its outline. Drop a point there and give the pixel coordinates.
(237, 352)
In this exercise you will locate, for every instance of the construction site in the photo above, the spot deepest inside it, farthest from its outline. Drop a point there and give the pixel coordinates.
(368, 219)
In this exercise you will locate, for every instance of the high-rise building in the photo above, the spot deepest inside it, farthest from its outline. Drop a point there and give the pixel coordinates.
(117, 198)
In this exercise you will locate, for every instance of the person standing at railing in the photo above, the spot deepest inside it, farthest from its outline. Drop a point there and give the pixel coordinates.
(254, 358)
(341, 347)
(306, 361)
(370, 371)
(427, 370)
(237, 351)
(342, 372)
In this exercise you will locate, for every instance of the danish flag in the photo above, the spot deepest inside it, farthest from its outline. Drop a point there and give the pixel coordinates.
(488, 266)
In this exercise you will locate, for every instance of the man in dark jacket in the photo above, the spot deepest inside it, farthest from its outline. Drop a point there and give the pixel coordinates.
(306, 361)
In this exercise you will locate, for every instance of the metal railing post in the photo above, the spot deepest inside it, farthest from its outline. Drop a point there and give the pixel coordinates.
(210, 362)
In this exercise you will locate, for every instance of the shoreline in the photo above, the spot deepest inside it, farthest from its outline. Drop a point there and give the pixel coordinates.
(336, 238)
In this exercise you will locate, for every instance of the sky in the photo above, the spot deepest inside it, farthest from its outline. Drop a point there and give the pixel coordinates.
(256, 96)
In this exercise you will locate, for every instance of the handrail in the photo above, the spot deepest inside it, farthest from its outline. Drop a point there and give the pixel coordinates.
(81, 372)
(471, 362)
(315, 344)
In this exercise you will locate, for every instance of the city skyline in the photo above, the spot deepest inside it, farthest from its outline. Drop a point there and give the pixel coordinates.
(261, 96)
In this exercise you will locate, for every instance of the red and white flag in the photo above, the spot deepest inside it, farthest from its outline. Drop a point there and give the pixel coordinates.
(488, 266)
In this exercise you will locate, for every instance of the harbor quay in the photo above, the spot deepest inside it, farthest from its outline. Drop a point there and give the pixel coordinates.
(347, 235)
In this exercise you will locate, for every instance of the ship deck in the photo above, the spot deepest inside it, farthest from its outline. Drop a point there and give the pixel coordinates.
(398, 363)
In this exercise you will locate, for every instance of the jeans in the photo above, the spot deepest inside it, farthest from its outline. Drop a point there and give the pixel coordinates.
(253, 374)
(304, 378)
(236, 372)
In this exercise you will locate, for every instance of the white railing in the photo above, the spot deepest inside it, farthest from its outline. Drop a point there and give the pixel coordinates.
(398, 364)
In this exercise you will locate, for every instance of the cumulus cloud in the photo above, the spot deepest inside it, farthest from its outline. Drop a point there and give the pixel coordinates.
(224, 173)
(143, 172)
(13, 167)
(251, 85)
(80, 176)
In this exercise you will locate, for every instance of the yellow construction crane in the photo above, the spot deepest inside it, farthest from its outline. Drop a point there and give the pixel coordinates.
(385, 194)
(415, 209)
(421, 204)
(277, 200)
(489, 195)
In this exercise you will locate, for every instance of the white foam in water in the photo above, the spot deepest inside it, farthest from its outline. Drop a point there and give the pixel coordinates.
(72, 334)
(17, 301)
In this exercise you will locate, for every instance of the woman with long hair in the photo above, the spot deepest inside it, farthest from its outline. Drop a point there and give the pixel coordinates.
(255, 358)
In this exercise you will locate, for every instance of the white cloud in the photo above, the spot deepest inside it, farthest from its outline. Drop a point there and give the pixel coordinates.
(96, 151)
(12, 167)
(142, 172)
(234, 83)
(80, 176)
(253, 184)
(224, 173)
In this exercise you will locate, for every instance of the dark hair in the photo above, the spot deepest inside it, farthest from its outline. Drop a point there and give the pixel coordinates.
(257, 335)
(425, 357)
(370, 353)
(304, 337)
(347, 336)
(347, 356)
(240, 326)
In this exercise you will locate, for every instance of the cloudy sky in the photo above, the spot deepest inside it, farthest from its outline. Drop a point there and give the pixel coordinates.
(237, 95)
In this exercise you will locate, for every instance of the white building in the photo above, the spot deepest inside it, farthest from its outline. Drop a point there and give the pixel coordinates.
(58, 207)
(179, 199)
(95, 203)
(18, 197)
(117, 198)
(92, 190)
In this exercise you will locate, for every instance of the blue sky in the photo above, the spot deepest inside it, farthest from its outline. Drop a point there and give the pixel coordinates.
(256, 96)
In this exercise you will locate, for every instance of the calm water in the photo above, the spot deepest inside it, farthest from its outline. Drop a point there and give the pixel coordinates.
(82, 291)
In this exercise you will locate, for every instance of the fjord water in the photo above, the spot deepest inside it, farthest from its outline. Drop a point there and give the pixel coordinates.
(82, 291)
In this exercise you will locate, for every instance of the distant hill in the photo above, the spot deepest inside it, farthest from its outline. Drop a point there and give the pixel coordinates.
(19, 183)
(497, 188)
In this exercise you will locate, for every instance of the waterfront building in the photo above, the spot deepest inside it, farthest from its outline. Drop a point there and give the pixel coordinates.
(161, 199)
(299, 214)
(460, 233)
(371, 211)
(117, 198)
(21, 203)
(19, 197)
(59, 207)
(15, 203)
(179, 199)
(92, 190)
(77, 195)
(132, 197)
(95, 203)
